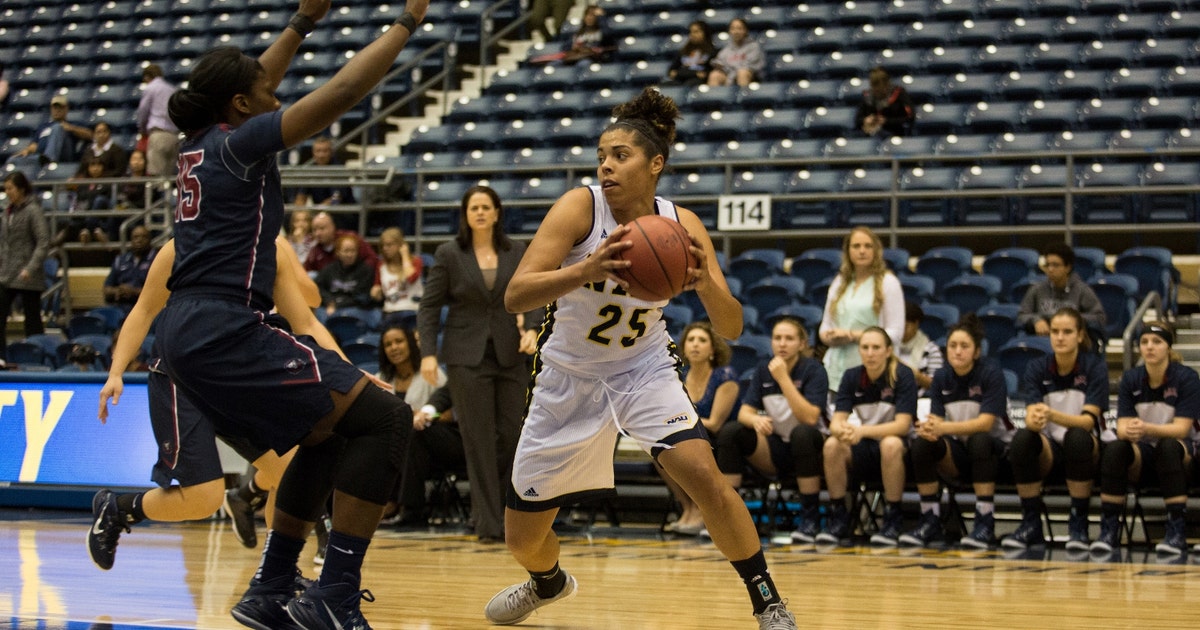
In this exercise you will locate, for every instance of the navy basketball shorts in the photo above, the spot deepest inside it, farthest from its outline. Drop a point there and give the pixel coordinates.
(247, 373)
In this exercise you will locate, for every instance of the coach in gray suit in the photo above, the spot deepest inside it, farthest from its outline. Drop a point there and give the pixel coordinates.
(24, 241)
(483, 347)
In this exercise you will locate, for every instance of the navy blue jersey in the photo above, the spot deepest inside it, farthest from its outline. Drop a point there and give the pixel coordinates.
(1085, 384)
(877, 402)
(1177, 397)
(230, 208)
(810, 379)
(982, 390)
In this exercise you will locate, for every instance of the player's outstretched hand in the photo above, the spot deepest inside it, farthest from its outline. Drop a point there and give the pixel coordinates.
(314, 9)
(112, 390)
(417, 8)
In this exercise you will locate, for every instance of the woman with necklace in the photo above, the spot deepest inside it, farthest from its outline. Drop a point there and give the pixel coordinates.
(1067, 392)
(1157, 404)
(482, 347)
(863, 294)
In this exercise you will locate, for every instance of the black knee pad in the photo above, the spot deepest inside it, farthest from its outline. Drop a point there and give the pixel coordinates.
(735, 442)
(807, 450)
(925, 458)
(1024, 452)
(1172, 477)
(1079, 455)
(982, 450)
(1114, 467)
(308, 480)
(377, 427)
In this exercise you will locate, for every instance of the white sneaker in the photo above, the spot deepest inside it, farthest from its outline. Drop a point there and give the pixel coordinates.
(776, 617)
(517, 602)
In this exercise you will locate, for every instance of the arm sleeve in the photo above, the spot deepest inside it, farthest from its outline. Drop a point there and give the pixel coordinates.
(1097, 391)
(937, 402)
(891, 316)
(816, 385)
(995, 392)
(1188, 403)
(827, 318)
(753, 394)
(755, 59)
(256, 139)
(1090, 307)
(1125, 403)
(1031, 382)
(845, 393)
(906, 391)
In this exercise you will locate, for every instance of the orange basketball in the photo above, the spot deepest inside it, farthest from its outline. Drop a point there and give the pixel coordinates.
(660, 258)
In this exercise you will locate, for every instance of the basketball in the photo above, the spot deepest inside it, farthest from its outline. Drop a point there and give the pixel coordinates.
(660, 258)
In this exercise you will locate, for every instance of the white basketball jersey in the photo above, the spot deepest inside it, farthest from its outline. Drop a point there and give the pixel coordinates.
(598, 329)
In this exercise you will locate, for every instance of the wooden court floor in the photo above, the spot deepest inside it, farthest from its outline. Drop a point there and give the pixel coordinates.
(189, 575)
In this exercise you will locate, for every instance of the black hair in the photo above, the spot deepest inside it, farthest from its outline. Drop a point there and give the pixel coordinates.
(499, 239)
(652, 116)
(913, 312)
(19, 180)
(972, 326)
(387, 371)
(706, 46)
(1063, 251)
(218, 76)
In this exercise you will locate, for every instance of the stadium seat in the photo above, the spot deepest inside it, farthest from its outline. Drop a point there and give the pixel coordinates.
(677, 317)
(1107, 208)
(771, 293)
(938, 319)
(28, 356)
(748, 351)
(359, 353)
(935, 210)
(809, 314)
(753, 265)
(1050, 208)
(1009, 265)
(816, 264)
(897, 259)
(1019, 351)
(917, 288)
(85, 324)
(987, 210)
(943, 264)
(970, 293)
(1016, 292)
(999, 323)
(1154, 270)
(1162, 207)
(1089, 262)
(1118, 294)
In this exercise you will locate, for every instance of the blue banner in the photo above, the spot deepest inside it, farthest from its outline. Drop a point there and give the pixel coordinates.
(50, 433)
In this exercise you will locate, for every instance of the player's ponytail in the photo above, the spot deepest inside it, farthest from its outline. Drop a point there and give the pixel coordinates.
(218, 76)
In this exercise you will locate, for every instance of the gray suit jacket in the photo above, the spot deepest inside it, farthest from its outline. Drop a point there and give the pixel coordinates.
(24, 241)
(476, 314)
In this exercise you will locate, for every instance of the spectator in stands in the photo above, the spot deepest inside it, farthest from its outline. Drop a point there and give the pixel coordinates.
(694, 61)
(917, 351)
(1157, 404)
(1061, 288)
(56, 141)
(154, 124)
(1067, 394)
(886, 109)
(555, 10)
(712, 386)
(325, 234)
(132, 195)
(346, 282)
(111, 155)
(125, 280)
(434, 444)
(322, 155)
(81, 358)
(3, 88)
(863, 294)
(963, 436)
(741, 61)
(876, 404)
(398, 283)
(592, 41)
(24, 242)
(781, 423)
(300, 233)
(482, 349)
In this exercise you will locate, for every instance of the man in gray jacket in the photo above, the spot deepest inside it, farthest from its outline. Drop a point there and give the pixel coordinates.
(1061, 288)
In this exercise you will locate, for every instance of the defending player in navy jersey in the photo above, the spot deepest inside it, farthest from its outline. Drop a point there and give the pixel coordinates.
(873, 412)
(1067, 393)
(240, 365)
(1158, 403)
(606, 366)
(964, 436)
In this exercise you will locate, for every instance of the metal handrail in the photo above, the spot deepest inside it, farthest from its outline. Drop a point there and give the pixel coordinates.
(1152, 300)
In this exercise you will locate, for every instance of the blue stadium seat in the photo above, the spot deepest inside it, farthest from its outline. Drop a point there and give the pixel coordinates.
(1080, 83)
(1027, 142)
(1072, 141)
(1118, 294)
(1026, 85)
(1054, 116)
(677, 317)
(28, 356)
(1107, 208)
(917, 288)
(792, 67)
(897, 259)
(809, 314)
(943, 264)
(1055, 55)
(938, 319)
(1090, 262)
(995, 117)
(1135, 82)
(775, 123)
(748, 351)
(921, 34)
(971, 144)
(869, 212)
(86, 324)
(1154, 270)
(999, 323)
(971, 88)
(1168, 112)
(943, 118)
(1003, 57)
(828, 122)
(773, 292)
(1019, 351)
(1112, 113)
(814, 93)
(1110, 54)
(1169, 206)
(753, 265)
(1009, 265)
(1050, 208)
(970, 293)
(816, 264)
(1140, 139)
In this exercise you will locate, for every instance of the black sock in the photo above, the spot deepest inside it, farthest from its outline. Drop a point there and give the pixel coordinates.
(1176, 510)
(130, 506)
(252, 494)
(343, 559)
(280, 555)
(550, 583)
(1111, 509)
(1080, 506)
(758, 581)
(1031, 507)
(810, 502)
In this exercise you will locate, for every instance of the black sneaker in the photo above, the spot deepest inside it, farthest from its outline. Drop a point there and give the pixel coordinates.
(264, 606)
(889, 534)
(242, 514)
(836, 526)
(333, 607)
(106, 529)
(928, 531)
(810, 527)
(983, 533)
(1110, 534)
(1028, 534)
(1174, 541)
(1077, 532)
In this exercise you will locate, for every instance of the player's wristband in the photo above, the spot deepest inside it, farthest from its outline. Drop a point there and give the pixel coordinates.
(408, 21)
(302, 24)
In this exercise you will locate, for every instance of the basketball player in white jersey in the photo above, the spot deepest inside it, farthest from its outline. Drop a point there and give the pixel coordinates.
(606, 366)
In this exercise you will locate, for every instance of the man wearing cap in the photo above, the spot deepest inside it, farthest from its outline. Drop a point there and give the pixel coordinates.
(162, 137)
(57, 140)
